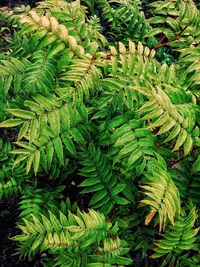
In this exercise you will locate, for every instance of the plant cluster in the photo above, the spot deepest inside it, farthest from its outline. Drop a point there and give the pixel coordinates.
(100, 132)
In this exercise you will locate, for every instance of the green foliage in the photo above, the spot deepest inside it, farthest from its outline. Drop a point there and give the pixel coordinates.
(178, 238)
(125, 17)
(87, 122)
(101, 180)
(72, 234)
(181, 18)
(12, 70)
(11, 180)
(162, 194)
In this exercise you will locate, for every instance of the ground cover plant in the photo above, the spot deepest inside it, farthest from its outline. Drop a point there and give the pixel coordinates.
(99, 132)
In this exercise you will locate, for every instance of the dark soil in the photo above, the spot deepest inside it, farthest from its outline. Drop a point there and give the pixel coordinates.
(8, 217)
(14, 3)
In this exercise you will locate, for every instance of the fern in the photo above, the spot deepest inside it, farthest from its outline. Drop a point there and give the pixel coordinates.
(11, 181)
(74, 232)
(189, 62)
(93, 116)
(162, 195)
(12, 72)
(179, 238)
(49, 31)
(165, 116)
(39, 76)
(126, 18)
(101, 180)
(182, 18)
(84, 77)
(45, 140)
(135, 145)
(33, 200)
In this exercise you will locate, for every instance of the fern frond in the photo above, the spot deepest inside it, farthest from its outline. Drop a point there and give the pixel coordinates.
(11, 181)
(113, 250)
(101, 180)
(190, 66)
(39, 75)
(135, 145)
(5, 148)
(178, 238)
(35, 201)
(182, 18)
(11, 74)
(125, 17)
(75, 230)
(132, 61)
(9, 189)
(49, 31)
(8, 18)
(166, 117)
(84, 76)
(71, 234)
(162, 194)
(50, 128)
(187, 182)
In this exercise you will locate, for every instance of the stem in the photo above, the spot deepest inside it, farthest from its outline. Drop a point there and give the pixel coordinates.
(173, 162)
(172, 40)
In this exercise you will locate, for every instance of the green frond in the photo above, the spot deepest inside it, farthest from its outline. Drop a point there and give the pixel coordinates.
(8, 18)
(178, 238)
(11, 180)
(11, 74)
(101, 180)
(45, 232)
(5, 148)
(125, 16)
(187, 183)
(181, 18)
(83, 76)
(190, 66)
(35, 201)
(72, 234)
(10, 188)
(112, 252)
(133, 146)
(164, 116)
(51, 128)
(39, 75)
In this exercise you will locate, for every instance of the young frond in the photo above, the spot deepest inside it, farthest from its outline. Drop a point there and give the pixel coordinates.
(48, 31)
